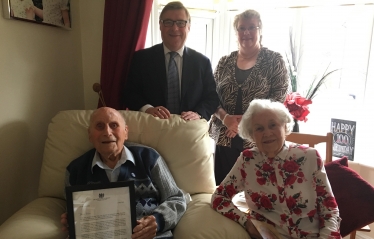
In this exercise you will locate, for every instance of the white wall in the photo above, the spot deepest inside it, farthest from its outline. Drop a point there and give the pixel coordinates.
(41, 73)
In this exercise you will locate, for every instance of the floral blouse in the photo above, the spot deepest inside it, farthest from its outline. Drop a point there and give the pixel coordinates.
(290, 192)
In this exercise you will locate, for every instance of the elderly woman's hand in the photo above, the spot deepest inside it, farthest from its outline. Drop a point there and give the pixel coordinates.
(252, 230)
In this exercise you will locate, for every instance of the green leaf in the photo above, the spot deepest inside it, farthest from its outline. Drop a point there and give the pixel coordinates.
(293, 77)
(313, 89)
(297, 195)
(300, 160)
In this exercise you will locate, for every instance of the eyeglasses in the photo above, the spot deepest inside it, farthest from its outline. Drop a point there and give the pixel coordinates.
(250, 29)
(170, 23)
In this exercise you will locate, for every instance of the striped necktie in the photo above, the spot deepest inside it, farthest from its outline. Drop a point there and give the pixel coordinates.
(173, 100)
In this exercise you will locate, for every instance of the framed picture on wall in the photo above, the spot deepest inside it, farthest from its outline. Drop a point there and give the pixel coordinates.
(47, 12)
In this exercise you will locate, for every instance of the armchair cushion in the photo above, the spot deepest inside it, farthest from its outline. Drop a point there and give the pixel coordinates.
(354, 196)
(185, 146)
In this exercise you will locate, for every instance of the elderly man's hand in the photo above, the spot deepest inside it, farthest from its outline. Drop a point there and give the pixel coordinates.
(146, 228)
(64, 222)
(159, 111)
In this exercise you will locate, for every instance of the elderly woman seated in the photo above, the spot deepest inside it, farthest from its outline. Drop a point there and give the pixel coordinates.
(286, 187)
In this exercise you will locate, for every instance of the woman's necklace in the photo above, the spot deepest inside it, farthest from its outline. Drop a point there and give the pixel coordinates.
(250, 57)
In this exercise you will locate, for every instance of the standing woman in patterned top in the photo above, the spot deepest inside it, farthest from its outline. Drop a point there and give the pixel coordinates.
(252, 72)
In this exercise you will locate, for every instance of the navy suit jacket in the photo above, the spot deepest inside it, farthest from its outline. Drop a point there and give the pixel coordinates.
(147, 82)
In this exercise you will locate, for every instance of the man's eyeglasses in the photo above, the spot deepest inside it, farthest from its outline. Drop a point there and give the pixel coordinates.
(170, 23)
(250, 29)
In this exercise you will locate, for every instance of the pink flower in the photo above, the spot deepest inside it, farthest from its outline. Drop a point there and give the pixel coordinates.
(297, 106)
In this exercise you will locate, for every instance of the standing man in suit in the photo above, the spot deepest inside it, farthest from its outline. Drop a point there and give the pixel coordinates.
(148, 85)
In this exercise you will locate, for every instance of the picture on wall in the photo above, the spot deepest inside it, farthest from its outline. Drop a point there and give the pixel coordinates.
(48, 12)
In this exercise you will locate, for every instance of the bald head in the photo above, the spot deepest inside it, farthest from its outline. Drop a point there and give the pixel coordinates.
(105, 111)
(107, 132)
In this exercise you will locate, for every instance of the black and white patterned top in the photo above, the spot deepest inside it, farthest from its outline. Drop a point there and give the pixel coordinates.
(268, 79)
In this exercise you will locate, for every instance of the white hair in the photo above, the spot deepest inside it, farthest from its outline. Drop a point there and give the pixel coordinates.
(259, 105)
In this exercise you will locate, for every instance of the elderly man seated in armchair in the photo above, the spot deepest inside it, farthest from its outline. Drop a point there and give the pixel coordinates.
(111, 161)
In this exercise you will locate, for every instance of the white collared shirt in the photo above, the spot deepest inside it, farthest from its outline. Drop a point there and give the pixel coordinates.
(113, 173)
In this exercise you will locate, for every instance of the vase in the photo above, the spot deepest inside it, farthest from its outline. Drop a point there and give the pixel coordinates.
(296, 126)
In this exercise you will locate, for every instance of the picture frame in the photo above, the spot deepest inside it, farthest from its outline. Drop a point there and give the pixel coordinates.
(46, 12)
(344, 136)
(101, 210)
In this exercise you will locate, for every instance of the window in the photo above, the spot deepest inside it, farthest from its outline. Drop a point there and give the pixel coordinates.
(326, 37)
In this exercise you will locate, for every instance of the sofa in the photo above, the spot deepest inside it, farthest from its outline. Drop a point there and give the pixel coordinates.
(185, 146)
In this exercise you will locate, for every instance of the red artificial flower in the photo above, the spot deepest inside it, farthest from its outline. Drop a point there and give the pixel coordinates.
(297, 106)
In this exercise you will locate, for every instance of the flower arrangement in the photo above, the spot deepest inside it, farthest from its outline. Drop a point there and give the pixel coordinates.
(296, 104)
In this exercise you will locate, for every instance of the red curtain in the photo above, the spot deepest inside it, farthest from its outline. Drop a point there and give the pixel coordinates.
(125, 30)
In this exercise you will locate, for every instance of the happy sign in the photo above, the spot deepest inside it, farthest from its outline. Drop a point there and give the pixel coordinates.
(344, 132)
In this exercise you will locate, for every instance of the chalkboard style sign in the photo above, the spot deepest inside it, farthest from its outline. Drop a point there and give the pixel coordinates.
(344, 132)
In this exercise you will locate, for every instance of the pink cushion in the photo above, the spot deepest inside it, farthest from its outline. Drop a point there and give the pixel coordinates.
(354, 196)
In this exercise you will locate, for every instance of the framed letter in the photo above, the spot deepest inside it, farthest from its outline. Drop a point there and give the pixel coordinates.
(101, 210)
